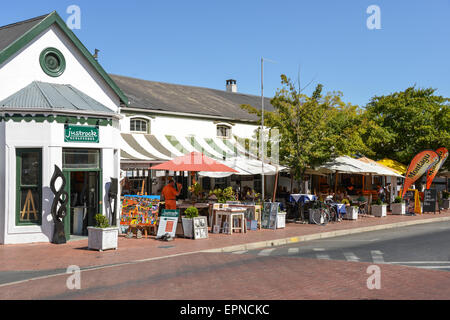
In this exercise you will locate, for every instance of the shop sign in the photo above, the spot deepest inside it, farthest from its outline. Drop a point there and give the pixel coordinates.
(74, 133)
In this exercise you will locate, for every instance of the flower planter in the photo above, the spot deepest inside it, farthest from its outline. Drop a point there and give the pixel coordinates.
(446, 203)
(352, 213)
(103, 238)
(398, 208)
(379, 210)
(188, 228)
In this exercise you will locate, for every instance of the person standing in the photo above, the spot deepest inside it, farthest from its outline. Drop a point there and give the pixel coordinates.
(170, 193)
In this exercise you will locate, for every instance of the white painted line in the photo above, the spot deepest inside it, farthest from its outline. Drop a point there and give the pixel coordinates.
(240, 252)
(377, 256)
(323, 257)
(418, 262)
(432, 267)
(318, 249)
(350, 256)
(293, 250)
(265, 252)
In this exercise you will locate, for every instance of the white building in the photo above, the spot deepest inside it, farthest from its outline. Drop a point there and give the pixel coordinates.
(57, 107)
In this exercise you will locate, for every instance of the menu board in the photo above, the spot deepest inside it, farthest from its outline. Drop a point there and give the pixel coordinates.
(429, 200)
(168, 223)
(140, 210)
(269, 215)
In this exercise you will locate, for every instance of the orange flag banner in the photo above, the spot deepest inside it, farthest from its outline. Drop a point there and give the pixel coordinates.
(431, 173)
(418, 166)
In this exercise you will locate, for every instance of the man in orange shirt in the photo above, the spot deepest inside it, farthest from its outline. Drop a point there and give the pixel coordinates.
(170, 193)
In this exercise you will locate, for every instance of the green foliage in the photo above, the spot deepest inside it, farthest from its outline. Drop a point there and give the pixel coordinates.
(101, 221)
(191, 212)
(378, 202)
(224, 195)
(445, 194)
(400, 125)
(196, 189)
(313, 129)
(398, 199)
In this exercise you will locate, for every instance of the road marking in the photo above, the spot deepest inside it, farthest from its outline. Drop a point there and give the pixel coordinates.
(265, 252)
(377, 256)
(418, 262)
(318, 249)
(240, 252)
(350, 256)
(323, 257)
(432, 267)
(293, 250)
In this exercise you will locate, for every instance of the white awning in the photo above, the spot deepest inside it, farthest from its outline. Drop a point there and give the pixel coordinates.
(160, 148)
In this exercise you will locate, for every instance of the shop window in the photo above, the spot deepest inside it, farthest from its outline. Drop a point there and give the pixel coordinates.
(223, 131)
(28, 186)
(81, 159)
(139, 126)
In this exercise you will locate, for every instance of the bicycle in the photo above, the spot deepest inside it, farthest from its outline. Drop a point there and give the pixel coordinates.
(327, 212)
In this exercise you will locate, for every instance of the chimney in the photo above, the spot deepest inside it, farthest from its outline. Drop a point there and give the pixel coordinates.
(231, 85)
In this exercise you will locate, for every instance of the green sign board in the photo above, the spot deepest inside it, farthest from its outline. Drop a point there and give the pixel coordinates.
(74, 133)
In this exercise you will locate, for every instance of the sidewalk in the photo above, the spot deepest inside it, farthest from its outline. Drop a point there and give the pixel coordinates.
(47, 256)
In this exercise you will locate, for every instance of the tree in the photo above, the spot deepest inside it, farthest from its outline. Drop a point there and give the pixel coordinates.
(313, 129)
(402, 124)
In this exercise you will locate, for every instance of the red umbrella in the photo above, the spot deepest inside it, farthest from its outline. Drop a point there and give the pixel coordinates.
(194, 161)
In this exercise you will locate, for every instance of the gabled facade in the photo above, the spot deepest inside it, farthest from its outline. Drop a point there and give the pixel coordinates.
(57, 107)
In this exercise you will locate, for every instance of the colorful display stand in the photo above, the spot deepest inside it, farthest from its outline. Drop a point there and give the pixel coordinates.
(140, 210)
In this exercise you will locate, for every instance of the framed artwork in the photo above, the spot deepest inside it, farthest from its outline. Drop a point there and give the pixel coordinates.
(140, 210)
(200, 228)
(216, 228)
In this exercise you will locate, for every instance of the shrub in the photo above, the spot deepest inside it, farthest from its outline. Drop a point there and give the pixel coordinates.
(398, 199)
(445, 194)
(102, 221)
(378, 202)
(191, 212)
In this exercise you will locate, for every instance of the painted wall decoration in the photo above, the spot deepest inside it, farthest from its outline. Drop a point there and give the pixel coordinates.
(140, 210)
(431, 173)
(418, 166)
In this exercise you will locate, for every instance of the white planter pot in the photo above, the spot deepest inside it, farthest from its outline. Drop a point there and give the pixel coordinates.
(379, 210)
(281, 220)
(188, 229)
(103, 239)
(398, 208)
(446, 203)
(352, 213)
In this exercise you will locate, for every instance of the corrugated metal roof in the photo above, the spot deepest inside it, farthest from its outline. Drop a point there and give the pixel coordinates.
(152, 95)
(42, 95)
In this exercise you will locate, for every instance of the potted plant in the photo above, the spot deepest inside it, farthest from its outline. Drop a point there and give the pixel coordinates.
(399, 206)
(224, 195)
(102, 236)
(196, 190)
(445, 199)
(379, 209)
(188, 226)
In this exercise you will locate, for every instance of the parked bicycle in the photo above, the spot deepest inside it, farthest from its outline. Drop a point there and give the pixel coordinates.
(324, 213)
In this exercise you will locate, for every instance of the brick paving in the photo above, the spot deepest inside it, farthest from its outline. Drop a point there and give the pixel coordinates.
(47, 256)
(221, 276)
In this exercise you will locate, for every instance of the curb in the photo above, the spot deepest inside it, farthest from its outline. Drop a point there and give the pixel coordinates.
(321, 235)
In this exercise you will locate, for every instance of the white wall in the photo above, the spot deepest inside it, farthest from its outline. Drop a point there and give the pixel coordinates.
(24, 67)
(49, 137)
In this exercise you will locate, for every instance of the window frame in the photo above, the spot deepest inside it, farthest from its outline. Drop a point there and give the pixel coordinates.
(147, 124)
(228, 128)
(19, 187)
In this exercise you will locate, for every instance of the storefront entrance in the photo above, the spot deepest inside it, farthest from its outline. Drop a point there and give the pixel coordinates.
(81, 168)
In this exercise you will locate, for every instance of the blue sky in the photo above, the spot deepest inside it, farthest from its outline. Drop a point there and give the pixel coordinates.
(203, 43)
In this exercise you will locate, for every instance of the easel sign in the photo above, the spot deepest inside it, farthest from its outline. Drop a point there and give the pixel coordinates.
(429, 201)
(168, 223)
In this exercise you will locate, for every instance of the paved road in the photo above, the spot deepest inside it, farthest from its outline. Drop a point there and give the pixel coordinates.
(323, 269)
(423, 246)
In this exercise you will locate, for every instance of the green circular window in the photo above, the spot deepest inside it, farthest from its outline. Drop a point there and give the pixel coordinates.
(52, 62)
